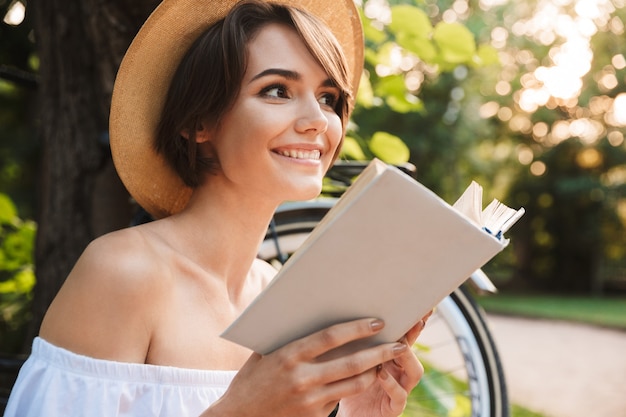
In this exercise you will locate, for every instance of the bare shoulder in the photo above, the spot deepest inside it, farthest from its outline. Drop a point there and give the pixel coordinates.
(263, 271)
(105, 306)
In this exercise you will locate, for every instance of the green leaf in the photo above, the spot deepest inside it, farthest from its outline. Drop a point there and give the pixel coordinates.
(455, 41)
(352, 150)
(365, 96)
(18, 246)
(371, 33)
(383, 54)
(21, 283)
(8, 212)
(405, 104)
(389, 148)
(392, 85)
(423, 48)
(486, 55)
(411, 21)
(413, 30)
(393, 90)
(439, 388)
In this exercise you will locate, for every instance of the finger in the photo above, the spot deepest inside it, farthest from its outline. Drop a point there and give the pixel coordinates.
(352, 386)
(359, 362)
(411, 368)
(332, 337)
(413, 333)
(396, 393)
(411, 336)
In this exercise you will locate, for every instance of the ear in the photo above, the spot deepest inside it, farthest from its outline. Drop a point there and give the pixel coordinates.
(203, 133)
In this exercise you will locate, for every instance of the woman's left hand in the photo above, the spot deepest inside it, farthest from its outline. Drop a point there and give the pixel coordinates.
(387, 397)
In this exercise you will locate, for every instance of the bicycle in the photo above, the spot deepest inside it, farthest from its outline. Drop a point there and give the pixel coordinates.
(463, 373)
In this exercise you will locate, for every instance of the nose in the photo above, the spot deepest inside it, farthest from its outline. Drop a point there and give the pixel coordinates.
(311, 117)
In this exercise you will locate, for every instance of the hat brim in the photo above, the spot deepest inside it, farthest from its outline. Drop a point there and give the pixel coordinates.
(145, 74)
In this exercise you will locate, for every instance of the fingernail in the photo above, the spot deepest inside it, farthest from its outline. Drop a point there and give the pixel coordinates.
(377, 325)
(400, 347)
(421, 324)
(382, 373)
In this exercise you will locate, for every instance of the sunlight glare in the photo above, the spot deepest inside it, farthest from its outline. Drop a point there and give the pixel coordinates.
(618, 61)
(619, 110)
(589, 158)
(525, 155)
(588, 8)
(560, 131)
(488, 4)
(16, 14)
(615, 138)
(608, 81)
(378, 10)
(538, 168)
(489, 109)
(568, 34)
(561, 82)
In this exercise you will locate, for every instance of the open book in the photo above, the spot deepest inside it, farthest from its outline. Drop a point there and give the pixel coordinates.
(390, 249)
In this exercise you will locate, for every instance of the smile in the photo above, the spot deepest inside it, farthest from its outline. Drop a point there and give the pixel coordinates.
(301, 154)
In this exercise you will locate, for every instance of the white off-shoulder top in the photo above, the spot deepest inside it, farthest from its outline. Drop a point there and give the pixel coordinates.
(55, 382)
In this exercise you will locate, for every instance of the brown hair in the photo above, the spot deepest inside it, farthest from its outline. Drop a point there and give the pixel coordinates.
(209, 77)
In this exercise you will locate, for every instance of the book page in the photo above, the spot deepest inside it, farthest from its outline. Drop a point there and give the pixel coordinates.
(495, 215)
(471, 202)
(496, 218)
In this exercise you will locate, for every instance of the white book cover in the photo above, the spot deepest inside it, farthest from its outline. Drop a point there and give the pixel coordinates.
(389, 249)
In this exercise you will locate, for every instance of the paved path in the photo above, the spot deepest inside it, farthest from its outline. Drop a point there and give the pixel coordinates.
(562, 369)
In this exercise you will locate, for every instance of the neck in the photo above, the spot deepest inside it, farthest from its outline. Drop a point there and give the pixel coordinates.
(222, 232)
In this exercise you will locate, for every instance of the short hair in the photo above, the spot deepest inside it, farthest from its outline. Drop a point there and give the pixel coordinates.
(208, 79)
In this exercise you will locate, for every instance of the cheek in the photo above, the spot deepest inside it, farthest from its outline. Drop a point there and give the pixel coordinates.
(335, 133)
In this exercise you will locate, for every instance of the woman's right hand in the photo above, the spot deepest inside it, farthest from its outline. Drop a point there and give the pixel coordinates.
(295, 381)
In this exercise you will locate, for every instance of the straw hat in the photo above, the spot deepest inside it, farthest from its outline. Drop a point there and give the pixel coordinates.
(146, 71)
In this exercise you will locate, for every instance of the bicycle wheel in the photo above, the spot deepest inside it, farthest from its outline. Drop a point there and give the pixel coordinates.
(463, 374)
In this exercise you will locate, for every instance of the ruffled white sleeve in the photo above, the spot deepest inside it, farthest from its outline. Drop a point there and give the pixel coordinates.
(55, 382)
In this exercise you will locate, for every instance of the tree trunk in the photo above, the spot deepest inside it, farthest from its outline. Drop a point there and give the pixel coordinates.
(80, 45)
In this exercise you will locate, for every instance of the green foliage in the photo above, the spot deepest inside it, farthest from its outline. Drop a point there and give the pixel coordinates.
(17, 277)
(454, 85)
(413, 31)
(19, 148)
(389, 148)
(438, 394)
(456, 44)
(596, 311)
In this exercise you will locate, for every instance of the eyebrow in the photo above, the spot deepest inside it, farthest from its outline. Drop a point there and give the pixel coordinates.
(288, 74)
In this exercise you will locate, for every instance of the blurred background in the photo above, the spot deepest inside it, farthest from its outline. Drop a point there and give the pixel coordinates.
(527, 98)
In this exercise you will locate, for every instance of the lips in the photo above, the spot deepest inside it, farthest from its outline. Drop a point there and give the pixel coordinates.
(300, 153)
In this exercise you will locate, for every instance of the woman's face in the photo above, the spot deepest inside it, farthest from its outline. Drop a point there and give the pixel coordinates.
(280, 136)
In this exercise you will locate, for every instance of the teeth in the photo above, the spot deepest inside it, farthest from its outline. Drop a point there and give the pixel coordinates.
(302, 154)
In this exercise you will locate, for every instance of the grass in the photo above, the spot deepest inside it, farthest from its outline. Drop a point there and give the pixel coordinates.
(518, 411)
(598, 311)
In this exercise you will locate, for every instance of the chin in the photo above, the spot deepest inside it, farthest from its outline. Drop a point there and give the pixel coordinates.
(307, 193)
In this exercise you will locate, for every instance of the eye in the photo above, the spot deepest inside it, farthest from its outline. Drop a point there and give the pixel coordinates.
(329, 99)
(275, 91)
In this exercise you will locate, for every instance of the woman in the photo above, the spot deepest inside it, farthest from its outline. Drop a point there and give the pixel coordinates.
(254, 115)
